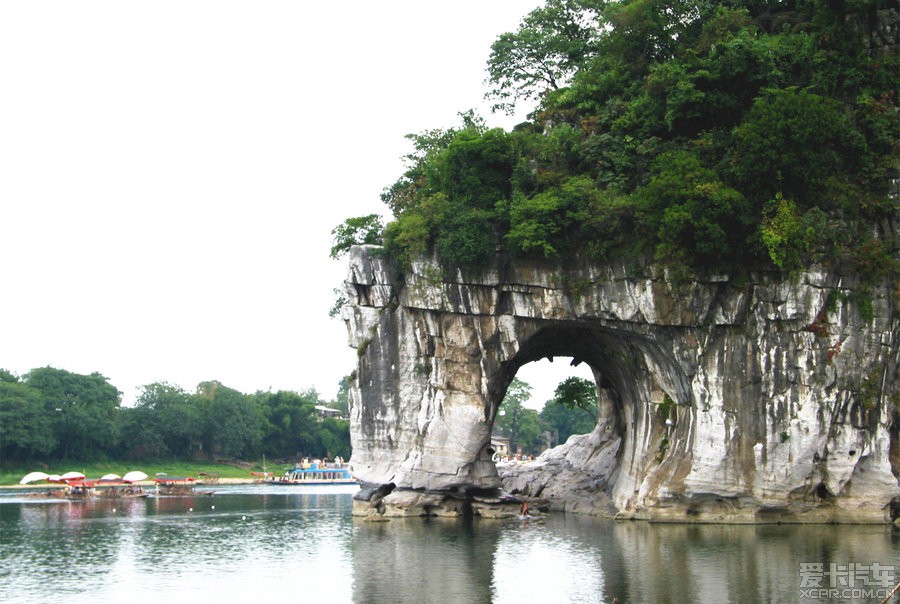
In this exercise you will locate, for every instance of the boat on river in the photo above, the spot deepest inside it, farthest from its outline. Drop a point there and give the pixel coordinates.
(83, 490)
(178, 486)
(80, 490)
(316, 473)
(121, 490)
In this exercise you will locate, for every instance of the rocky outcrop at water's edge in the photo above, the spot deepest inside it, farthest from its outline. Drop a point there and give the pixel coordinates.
(772, 399)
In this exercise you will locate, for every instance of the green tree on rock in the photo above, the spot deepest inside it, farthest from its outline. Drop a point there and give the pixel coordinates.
(356, 231)
(551, 42)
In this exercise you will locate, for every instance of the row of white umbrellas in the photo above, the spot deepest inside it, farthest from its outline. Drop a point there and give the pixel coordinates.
(132, 476)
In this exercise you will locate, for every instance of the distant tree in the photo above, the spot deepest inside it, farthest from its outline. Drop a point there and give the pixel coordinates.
(26, 429)
(55, 414)
(342, 401)
(515, 421)
(141, 435)
(518, 392)
(572, 410)
(562, 422)
(83, 410)
(165, 421)
(291, 423)
(577, 393)
(334, 436)
(233, 421)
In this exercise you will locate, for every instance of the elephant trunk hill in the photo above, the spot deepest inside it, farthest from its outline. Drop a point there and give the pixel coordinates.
(768, 400)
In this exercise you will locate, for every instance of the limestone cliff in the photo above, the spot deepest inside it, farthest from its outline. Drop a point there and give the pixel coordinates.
(763, 400)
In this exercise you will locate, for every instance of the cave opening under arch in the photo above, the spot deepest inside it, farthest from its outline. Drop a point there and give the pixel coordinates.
(640, 391)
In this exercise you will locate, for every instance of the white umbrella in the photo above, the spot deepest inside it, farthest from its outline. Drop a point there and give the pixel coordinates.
(134, 476)
(72, 476)
(54, 478)
(110, 477)
(34, 477)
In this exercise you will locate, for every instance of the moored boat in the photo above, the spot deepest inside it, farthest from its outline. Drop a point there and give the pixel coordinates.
(80, 490)
(73, 485)
(316, 474)
(177, 486)
(119, 490)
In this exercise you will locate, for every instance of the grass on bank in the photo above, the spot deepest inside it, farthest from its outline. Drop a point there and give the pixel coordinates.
(12, 475)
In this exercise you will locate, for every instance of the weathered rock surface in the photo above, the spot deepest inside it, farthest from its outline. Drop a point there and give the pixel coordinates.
(760, 401)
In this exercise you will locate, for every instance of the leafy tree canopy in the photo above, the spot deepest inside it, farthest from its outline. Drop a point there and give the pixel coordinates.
(577, 393)
(356, 231)
(709, 136)
(518, 423)
(573, 409)
(83, 410)
(54, 415)
(550, 44)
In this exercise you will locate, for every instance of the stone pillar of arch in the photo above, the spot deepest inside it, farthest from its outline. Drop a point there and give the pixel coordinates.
(764, 401)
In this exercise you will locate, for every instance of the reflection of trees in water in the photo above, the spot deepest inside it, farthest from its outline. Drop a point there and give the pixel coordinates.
(56, 539)
(63, 515)
(212, 540)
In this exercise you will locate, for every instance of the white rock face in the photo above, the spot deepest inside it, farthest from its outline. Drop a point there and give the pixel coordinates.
(779, 396)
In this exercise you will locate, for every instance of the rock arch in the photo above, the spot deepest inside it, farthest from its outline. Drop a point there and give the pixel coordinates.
(721, 402)
(645, 406)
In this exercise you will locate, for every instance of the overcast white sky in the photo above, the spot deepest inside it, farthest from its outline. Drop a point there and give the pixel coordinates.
(170, 173)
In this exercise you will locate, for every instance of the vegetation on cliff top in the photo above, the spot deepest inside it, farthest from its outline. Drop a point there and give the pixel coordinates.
(707, 136)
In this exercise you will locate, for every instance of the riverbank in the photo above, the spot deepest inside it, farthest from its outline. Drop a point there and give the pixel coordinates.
(143, 483)
(241, 470)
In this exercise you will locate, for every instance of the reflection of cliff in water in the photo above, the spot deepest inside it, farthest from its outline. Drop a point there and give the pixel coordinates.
(578, 558)
(641, 562)
(260, 544)
(425, 560)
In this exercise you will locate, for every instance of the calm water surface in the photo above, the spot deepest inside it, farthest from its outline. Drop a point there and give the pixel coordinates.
(256, 543)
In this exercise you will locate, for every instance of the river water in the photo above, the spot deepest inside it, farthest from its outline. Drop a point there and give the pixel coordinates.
(261, 544)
